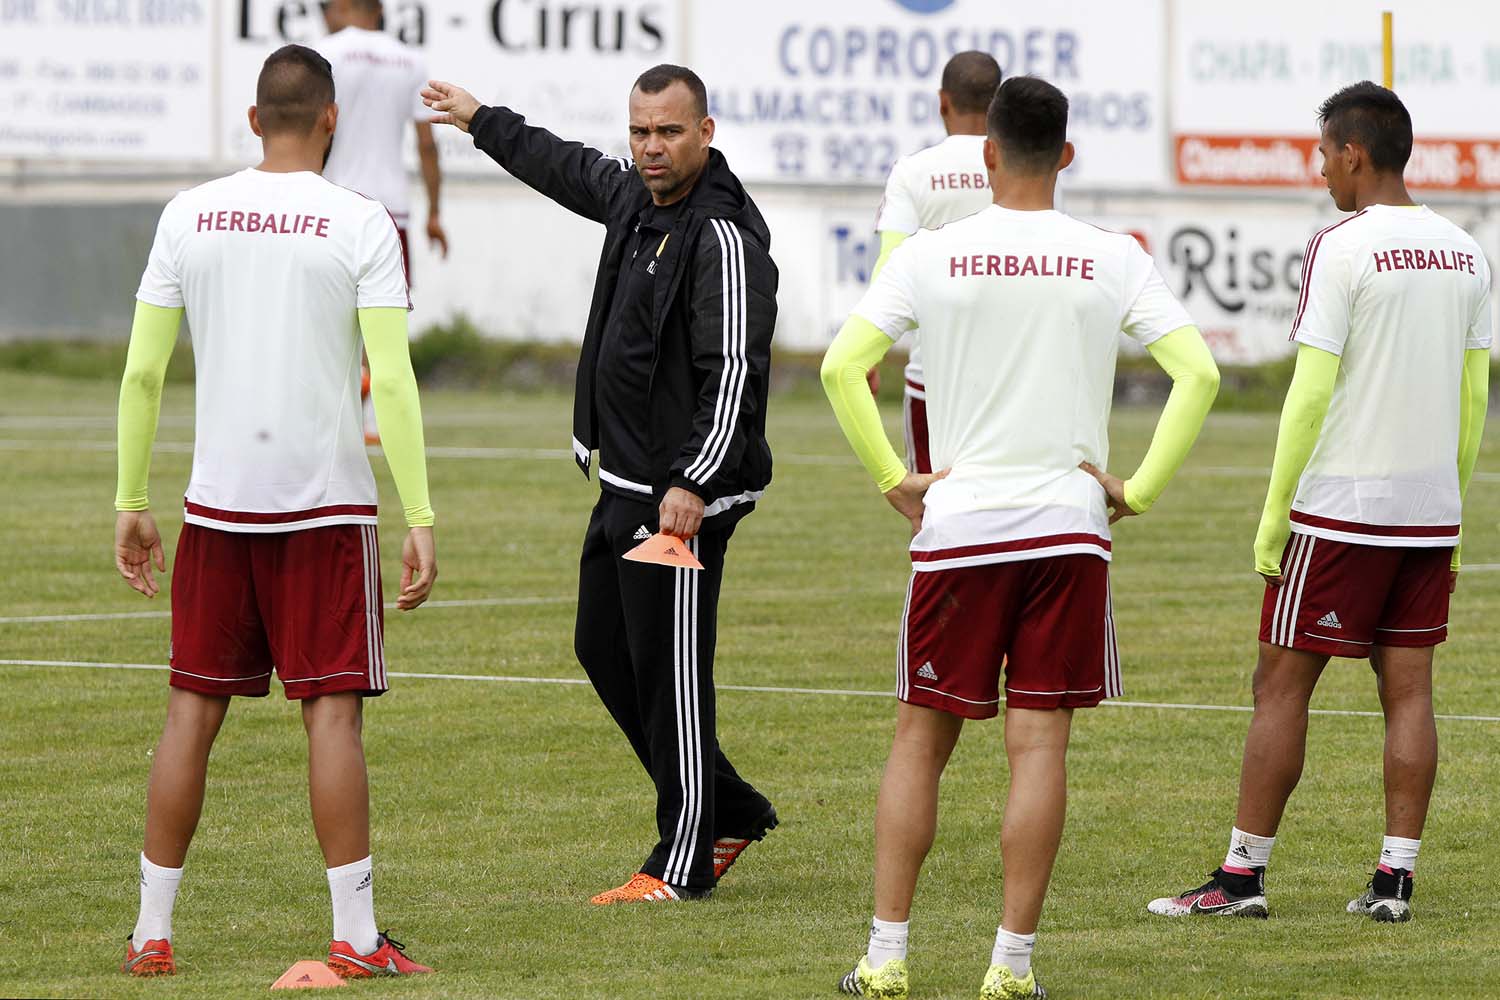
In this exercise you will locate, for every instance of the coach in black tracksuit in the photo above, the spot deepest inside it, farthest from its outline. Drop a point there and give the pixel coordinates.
(672, 392)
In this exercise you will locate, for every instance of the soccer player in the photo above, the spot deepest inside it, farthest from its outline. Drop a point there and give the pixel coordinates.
(930, 188)
(1358, 540)
(379, 82)
(672, 390)
(280, 274)
(1021, 308)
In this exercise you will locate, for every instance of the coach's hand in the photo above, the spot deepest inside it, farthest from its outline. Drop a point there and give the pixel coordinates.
(418, 568)
(909, 496)
(137, 546)
(457, 105)
(681, 513)
(1114, 492)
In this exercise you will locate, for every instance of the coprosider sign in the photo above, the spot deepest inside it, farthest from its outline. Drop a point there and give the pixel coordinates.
(830, 93)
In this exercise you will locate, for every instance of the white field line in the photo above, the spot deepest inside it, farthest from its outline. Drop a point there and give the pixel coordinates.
(557, 454)
(108, 616)
(753, 688)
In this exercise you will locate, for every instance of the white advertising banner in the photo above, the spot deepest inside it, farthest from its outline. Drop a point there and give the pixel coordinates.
(1248, 80)
(567, 67)
(836, 91)
(117, 80)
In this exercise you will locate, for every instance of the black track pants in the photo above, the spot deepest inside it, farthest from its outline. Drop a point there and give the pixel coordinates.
(645, 637)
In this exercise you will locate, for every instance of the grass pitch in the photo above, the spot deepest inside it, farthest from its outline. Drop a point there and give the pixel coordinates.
(499, 806)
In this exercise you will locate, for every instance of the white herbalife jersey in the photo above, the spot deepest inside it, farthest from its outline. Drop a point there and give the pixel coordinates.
(930, 188)
(1021, 313)
(1399, 294)
(377, 82)
(270, 269)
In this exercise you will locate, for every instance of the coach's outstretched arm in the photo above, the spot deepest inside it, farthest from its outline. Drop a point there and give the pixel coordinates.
(393, 386)
(859, 347)
(1302, 414)
(580, 178)
(137, 542)
(1474, 404)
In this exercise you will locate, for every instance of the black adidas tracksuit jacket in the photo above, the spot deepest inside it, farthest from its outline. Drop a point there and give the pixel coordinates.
(671, 390)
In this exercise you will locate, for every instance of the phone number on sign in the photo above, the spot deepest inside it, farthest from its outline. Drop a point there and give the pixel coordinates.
(833, 156)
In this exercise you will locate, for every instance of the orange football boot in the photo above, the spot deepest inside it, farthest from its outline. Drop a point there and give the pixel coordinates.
(154, 958)
(641, 888)
(388, 959)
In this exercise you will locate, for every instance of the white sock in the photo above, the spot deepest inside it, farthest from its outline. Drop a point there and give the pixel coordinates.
(1399, 852)
(158, 896)
(354, 905)
(887, 941)
(1014, 951)
(1246, 850)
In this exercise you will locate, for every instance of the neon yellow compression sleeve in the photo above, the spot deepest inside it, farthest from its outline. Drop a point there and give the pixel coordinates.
(1184, 356)
(1473, 405)
(1302, 414)
(859, 347)
(890, 239)
(153, 334)
(393, 386)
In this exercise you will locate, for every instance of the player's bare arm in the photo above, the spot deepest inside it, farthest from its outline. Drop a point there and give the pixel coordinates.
(456, 106)
(681, 513)
(1114, 492)
(432, 180)
(137, 548)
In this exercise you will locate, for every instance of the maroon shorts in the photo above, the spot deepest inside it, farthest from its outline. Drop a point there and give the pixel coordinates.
(306, 603)
(1047, 622)
(1340, 598)
(918, 456)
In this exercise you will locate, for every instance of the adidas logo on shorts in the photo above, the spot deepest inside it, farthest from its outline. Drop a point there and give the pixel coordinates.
(641, 534)
(1330, 620)
(926, 672)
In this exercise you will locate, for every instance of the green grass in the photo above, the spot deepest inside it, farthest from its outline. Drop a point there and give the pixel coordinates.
(500, 807)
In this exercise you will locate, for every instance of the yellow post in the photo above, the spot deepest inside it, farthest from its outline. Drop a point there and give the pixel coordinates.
(1387, 51)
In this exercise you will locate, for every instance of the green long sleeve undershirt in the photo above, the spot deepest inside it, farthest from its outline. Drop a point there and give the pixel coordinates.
(890, 239)
(153, 334)
(1302, 414)
(1474, 404)
(1182, 353)
(392, 384)
(393, 387)
(1184, 356)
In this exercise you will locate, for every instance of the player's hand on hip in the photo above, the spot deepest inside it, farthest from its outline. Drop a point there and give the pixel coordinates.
(418, 568)
(909, 496)
(436, 235)
(680, 514)
(456, 106)
(872, 377)
(137, 547)
(1114, 492)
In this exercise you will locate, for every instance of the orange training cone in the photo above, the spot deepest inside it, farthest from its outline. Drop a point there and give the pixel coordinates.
(307, 975)
(664, 550)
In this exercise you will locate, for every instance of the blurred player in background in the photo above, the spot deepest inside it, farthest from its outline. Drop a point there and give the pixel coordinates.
(280, 275)
(931, 188)
(379, 82)
(1021, 310)
(1358, 541)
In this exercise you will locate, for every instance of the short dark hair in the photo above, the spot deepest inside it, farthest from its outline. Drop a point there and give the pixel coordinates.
(969, 80)
(1371, 116)
(659, 78)
(1028, 121)
(295, 85)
